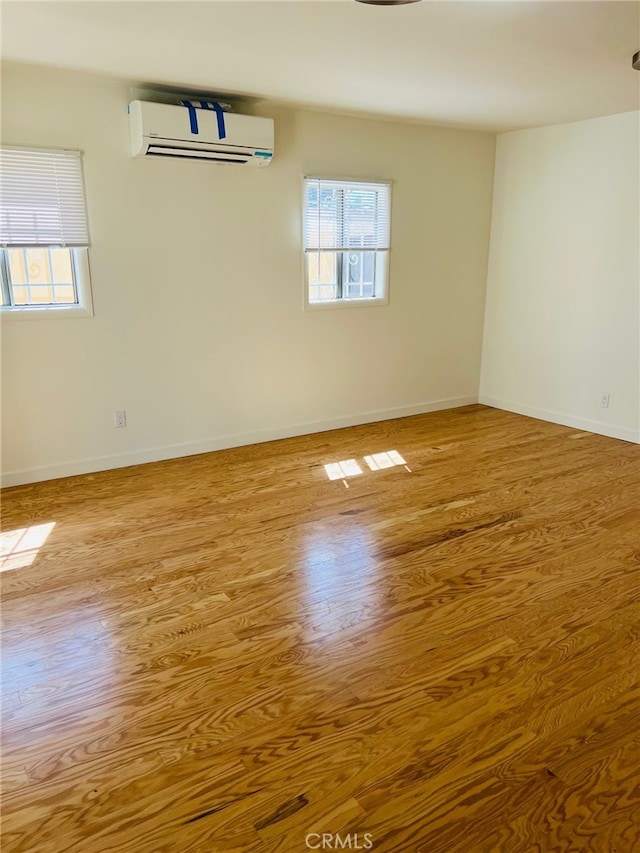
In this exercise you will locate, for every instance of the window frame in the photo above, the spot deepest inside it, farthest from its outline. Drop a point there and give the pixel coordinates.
(79, 260)
(382, 256)
(82, 280)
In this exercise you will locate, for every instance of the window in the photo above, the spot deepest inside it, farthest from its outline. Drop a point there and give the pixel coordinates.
(43, 233)
(346, 242)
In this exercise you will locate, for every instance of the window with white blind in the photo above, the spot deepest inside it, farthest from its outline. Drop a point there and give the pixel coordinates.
(347, 228)
(44, 236)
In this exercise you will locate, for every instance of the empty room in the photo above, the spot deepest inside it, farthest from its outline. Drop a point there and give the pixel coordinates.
(320, 337)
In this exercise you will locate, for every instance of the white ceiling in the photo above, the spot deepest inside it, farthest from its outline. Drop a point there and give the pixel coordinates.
(493, 65)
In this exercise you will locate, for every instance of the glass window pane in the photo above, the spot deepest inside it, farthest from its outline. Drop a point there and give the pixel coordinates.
(330, 216)
(38, 266)
(64, 294)
(20, 295)
(39, 295)
(312, 261)
(328, 291)
(354, 265)
(368, 259)
(61, 266)
(322, 271)
(41, 276)
(17, 270)
(328, 268)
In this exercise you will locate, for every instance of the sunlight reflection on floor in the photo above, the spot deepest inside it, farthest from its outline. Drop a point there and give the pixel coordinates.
(19, 548)
(376, 462)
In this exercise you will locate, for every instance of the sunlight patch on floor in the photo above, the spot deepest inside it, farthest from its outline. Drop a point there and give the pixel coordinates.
(376, 462)
(19, 548)
(384, 460)
(340, 470)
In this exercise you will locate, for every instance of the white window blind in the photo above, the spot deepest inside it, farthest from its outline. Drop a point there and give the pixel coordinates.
(42, 198)
(344, 215)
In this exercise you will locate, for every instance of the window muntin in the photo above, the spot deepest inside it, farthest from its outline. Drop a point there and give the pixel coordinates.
(346, 241)
(43, 232)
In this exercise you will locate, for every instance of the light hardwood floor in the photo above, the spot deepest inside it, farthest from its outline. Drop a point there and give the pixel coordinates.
(232, 652)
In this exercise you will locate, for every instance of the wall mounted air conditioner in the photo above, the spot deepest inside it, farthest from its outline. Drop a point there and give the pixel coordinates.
(164, 130)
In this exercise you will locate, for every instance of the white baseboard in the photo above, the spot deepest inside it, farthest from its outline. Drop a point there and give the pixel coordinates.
(610, 430)
(157, 454)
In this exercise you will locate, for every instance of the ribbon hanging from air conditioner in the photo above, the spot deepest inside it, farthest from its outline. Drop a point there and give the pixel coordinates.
(192, 106)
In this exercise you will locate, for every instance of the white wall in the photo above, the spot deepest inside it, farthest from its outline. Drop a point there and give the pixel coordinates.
(563, 310)
(199, 331)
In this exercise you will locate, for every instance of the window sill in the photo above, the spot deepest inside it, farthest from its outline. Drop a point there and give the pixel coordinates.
(48, 313)
(366, 302)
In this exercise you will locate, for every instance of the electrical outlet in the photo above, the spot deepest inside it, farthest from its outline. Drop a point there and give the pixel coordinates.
(604, 400)
(120, 419)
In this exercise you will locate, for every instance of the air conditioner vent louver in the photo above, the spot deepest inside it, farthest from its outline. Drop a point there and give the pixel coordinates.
(194, 154)
(163, 130)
